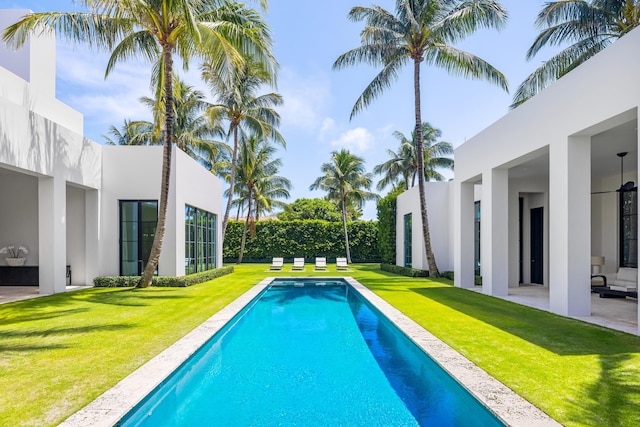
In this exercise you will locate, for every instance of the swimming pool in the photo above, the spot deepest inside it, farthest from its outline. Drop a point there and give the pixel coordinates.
(131, 392)
(305, 354)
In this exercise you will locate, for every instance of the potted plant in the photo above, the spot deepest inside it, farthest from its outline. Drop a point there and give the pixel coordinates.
(15, 255)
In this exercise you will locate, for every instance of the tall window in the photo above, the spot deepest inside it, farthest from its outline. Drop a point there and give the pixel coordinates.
(629, 229)
(200, 240)
(138, 221)
(476, 238)
(407, 239)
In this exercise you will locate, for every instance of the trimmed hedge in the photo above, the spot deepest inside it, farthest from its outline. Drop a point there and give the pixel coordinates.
(387, 227)
(308, 239)
(404, 271)
(162, 281)
(449, 275)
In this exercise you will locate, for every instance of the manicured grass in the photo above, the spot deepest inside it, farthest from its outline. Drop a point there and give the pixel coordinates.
(58, 353)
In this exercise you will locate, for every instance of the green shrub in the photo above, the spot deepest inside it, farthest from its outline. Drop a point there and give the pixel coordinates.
(404, 271)
(308, 239)
(447, 274)
(162, 281)
(387, 227)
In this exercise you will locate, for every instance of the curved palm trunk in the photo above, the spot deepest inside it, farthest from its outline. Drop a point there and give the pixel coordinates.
(244, 232)
(158, 238)
(431, 260)
(232, 181)
(344, 223)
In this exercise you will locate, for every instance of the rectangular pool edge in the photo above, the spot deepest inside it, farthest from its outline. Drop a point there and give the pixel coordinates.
(507, 405)
(110, 407)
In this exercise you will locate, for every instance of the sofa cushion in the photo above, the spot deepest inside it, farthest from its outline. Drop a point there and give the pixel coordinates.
(627, 274)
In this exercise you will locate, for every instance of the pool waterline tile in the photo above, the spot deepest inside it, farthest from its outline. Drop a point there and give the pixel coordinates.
(115, 403)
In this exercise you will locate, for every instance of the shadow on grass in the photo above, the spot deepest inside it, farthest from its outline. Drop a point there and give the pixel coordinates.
(609, 401)
(558, 334)
(9, 334)
(129, 297)
(30, 313)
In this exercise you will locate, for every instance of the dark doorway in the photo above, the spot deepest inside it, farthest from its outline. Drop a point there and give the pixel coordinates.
(537, 251)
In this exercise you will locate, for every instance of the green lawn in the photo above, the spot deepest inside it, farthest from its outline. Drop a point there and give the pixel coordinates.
(58, 353)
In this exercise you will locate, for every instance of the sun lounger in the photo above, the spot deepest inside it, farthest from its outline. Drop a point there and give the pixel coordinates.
(321, 264)
(298, 264)
(277, 264)
(341, 264)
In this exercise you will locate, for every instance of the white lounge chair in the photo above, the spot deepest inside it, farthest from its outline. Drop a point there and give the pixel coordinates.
(298, 264)
(321, 264)
(341, 264)
(277, 264)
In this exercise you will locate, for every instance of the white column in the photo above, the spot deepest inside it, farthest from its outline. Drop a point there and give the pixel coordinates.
(52, 234)
(463, 258)
(638, 178)
(570, 227)
(494, 232)
(92, 236)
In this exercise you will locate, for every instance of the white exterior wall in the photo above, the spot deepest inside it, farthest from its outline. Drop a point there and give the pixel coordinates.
(439, 200)
(62, 190)
(134, 173)
(28, 76)
(562, 123)
(197, 187)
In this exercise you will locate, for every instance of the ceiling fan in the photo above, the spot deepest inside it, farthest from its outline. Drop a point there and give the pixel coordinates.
(624, 187)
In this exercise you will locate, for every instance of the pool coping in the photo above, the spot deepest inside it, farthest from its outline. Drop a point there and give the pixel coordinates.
(109, 408)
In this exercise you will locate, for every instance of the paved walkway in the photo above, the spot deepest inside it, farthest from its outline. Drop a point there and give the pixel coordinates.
(17, 293)
(614, 313)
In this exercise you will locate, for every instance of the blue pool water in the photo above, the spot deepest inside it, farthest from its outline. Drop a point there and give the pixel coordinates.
(310, 356)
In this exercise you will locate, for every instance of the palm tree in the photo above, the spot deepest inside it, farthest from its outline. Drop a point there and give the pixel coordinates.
(131, 133)
(587, 25)
(246, 112)
(345, 181)
(256, 171)
(192, 130)
(421, 31)
(155, 30)
(404, 163)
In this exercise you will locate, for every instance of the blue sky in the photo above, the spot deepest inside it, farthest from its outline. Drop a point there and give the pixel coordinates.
(318, 101)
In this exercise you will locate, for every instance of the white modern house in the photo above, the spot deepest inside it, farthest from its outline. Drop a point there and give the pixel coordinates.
(83, 209)
(537, 194)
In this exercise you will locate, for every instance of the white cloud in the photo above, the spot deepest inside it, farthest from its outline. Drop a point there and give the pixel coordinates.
(358, 140)
(305, 99)
(104, 102)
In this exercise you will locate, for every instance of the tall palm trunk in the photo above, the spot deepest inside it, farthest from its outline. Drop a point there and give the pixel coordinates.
(158, 238)
(431, 260)
(246, 227)
(344, 223)
(232, 181)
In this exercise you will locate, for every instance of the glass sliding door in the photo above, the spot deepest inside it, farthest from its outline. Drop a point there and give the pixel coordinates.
(408, 234)
(200, 240)
(138, 221)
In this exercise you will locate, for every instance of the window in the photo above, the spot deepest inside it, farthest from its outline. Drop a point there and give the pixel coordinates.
(476, 238)
(200, 240)
(629, 229)
(407, 239)
(138, 221)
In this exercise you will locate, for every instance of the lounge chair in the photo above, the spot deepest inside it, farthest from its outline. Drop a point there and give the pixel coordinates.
(321, 264)
(277, 264)
(298, 264)
(341, 264)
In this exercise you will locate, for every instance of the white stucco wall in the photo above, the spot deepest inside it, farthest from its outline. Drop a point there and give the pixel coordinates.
(438, 195)
(197, 187)
(29, 74)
